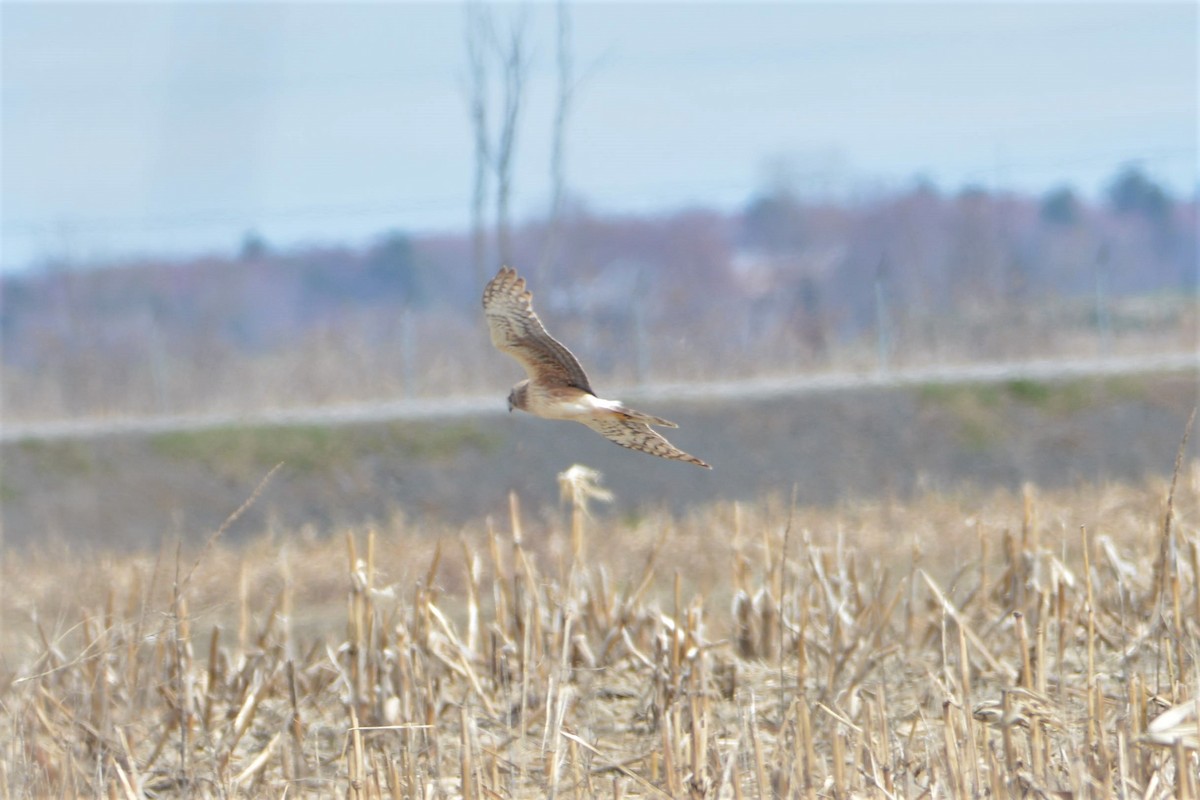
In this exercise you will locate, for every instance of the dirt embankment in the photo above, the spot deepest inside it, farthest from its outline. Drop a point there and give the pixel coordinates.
(132, 490)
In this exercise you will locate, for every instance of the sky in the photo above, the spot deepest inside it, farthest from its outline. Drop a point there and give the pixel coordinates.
(171, 129)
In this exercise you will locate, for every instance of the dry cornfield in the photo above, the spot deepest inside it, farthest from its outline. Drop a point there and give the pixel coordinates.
(1038, 644)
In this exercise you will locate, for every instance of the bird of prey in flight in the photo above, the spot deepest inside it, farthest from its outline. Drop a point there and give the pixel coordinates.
(557, 386)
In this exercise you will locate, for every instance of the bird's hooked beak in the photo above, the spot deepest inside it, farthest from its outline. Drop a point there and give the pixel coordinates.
(510, 403)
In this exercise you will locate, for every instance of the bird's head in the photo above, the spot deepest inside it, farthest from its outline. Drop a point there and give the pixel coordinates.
(516, 398)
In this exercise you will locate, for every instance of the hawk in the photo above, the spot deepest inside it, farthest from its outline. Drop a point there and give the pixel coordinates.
(557, 386)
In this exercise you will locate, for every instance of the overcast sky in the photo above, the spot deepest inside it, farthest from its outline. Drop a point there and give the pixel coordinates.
(173, 128)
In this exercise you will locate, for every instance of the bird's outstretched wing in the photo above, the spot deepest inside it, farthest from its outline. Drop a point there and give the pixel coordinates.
(516, 330)
(639, 436)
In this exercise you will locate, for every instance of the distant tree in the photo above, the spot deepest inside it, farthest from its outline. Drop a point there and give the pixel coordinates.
(775, 218)
(1133, 192)
(391, 271)
(775, 221)
(923, 186)
(978, 260)
(254, 246)
(973, 193)
(1061, 206)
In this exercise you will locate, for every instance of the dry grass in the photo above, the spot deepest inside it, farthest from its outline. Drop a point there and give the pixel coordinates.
(444, 354)
(1041, 645)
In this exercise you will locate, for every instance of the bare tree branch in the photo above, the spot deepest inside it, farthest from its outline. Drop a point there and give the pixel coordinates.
(479, 34)
(516, 67)
(566, 92)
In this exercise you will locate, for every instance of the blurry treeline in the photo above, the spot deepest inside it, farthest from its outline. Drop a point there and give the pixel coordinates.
(786, 285)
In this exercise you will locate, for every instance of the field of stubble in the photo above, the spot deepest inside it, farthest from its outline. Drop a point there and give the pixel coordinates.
(1039, 644)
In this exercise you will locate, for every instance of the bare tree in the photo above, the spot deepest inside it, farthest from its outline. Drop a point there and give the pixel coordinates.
(479, 35)
(486, 50)
(516, 66)
(566, 91)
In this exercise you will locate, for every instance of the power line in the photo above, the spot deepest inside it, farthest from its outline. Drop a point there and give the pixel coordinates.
(200, 219)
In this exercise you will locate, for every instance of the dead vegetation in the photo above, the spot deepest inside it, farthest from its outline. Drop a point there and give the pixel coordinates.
(1039, 645)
